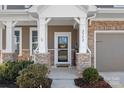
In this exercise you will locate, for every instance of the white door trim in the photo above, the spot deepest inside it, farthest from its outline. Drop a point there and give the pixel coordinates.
(55, 47)
(103, 31)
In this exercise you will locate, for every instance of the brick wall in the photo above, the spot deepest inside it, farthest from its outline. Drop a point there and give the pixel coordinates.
(101, 25)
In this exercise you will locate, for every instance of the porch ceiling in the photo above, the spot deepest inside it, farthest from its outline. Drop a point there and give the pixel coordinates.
(62, 21)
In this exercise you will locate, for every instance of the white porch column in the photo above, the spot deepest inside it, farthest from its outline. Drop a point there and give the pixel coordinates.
(42, 35)
(83, 35)
(9, 37)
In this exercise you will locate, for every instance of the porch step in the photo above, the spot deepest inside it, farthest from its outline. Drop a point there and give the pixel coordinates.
(63, 84)
(63, 73)
(63, 77)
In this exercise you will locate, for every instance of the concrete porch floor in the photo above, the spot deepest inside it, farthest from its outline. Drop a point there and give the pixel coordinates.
(63, 77)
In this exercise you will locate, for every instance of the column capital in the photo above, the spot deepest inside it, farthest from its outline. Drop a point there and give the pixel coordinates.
(83, 20)
(9, 23)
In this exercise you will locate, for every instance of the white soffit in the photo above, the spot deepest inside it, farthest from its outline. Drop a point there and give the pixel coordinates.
(62, 21)
(61, 11)
(27, 23)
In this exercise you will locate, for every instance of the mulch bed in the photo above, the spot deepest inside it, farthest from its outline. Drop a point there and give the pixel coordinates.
(7, 84)
(48, 85)
(100, 84)
(12, 84)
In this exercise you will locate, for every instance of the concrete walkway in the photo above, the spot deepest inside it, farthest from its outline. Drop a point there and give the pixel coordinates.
(63, 77)
(115, 79)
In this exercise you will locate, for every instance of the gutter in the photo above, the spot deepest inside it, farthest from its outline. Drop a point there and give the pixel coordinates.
(87, 31)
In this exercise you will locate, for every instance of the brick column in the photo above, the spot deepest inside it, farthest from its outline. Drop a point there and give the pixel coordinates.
(83, 60)
(43, 58)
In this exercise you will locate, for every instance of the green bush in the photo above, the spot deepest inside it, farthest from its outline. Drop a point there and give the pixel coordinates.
(90, 75)
(33, 76)
(10, 70)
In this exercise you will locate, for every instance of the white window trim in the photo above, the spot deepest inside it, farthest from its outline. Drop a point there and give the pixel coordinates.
(103, 31)
(30, 38)
(20, 37)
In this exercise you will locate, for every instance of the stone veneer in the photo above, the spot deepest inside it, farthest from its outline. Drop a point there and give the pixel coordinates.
(43, 58)
(101, 26)
(83, 60)
(9, 57)
(25, 55)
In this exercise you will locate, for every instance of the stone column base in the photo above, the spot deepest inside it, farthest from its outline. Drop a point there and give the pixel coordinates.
(83, 61)
(43, 58)
(9, 57)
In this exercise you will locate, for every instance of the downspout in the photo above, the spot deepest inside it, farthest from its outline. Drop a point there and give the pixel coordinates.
(87, 31)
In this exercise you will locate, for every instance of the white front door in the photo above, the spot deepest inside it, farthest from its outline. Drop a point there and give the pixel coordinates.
(62, 45)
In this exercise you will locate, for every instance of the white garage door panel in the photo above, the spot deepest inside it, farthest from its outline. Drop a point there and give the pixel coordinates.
(110, 52)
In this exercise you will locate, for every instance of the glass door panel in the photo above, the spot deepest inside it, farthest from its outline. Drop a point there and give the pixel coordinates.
(62, 48)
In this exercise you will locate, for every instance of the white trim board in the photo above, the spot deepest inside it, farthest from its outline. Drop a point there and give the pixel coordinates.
(103, 31)
(107, 19)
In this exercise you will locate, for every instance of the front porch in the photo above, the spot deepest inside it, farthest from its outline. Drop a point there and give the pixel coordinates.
(45, 46)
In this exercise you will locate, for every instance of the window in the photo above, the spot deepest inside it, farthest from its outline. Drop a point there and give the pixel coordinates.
(17, 34)
(33, 40)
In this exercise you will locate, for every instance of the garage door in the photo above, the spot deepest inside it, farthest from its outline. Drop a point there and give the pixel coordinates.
(110, 52)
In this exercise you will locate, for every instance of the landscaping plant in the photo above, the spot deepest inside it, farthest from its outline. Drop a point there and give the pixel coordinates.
(10, 70)
(33, 76)
(90, 75)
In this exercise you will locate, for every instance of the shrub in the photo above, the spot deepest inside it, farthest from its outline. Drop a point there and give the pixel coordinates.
(33, 76)
(10, 70)
(90, 75)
